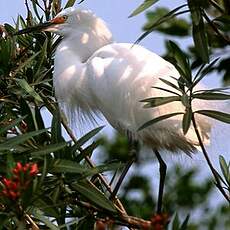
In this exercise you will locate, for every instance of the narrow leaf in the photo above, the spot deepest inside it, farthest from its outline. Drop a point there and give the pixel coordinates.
(27, 62)
(224, 117)
(87, 151)
(38, 214)
(157, 101)
(102, 168)
(187, 118)
(56, 131)
(166, 90)
(145, 5)
(12, 124)
(184, 225)
(176, 223)
(161, 20)
(94, 195)
(158, 119)
(200, 41)
(171, 84)
(86, 137)
(204, 71)
(211, 96)
(11, 142)
(28, 89)
(225, 168)
(42, 58)
(182, 61)
(195, 11)
(70, 3)
(49, 149)
(67, 166)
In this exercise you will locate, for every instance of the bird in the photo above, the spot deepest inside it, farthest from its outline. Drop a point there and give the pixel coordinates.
(93, 75)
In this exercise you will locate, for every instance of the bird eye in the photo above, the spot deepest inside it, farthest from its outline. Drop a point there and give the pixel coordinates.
(65, 17)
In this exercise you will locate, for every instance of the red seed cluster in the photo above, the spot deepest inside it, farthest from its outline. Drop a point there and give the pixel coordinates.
(159, 221)
(20, 180)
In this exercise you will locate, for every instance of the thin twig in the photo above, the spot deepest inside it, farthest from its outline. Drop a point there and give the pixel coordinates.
(214, 4)
(213, 170)
(210, 22)
(121, 178)
(125, 220)
(34, 225)
(91, 164)
(52, 108)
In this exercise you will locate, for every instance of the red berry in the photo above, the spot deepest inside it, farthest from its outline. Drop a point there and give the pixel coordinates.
(6, 182)
(33, 169)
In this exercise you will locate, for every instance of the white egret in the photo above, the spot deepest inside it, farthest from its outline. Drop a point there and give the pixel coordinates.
(94, 74)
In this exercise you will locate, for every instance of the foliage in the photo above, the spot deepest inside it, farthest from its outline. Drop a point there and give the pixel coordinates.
(65, 187)
(209, 21)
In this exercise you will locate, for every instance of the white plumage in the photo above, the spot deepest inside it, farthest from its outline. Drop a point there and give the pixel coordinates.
(92, 74)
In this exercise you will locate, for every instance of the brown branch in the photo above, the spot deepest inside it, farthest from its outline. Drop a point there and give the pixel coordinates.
(124, 219)
(34, 225)
(52, 108)
(91, 164)
(213, 170)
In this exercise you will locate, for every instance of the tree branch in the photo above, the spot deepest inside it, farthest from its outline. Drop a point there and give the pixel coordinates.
(213, 170)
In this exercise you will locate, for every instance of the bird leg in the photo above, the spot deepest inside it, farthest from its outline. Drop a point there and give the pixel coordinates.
(162, 170)
(133, 152)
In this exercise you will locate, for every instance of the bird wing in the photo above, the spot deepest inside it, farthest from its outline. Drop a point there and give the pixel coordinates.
(120, 76)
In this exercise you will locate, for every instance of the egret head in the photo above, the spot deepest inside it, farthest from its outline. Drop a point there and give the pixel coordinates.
(71, 20)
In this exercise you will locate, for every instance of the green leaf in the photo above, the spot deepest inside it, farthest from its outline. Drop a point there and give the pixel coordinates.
(157, 101)
(182, 62)
(200, 41)
(38, 214)
(86, 137)
(203, 71)
(195, 11)
(87, 151)
(158, 119)
(184, 225)
(67, 166)
(35, 9)
(166, 90)
(27, 62)
(224, 117)
(26, 110)
(12, 124)
(28, 89)
(225, 168)
(169, 83)
(161, 20)
(94, 195)
(56, 131)
(12, 142)
(48, 149)
(211, 96)
(102, 168)
(145, 5)
(70, 3)
(198, 30)
(176, 223)
(42, 58)
(223, 19)
(187, 118)
(174, 27)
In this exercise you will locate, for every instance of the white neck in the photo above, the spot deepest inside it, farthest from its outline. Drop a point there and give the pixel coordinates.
(71, 85)
(85, 40)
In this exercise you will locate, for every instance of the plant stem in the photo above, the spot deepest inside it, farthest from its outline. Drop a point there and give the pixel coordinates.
(53, 108)
(213, 170)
